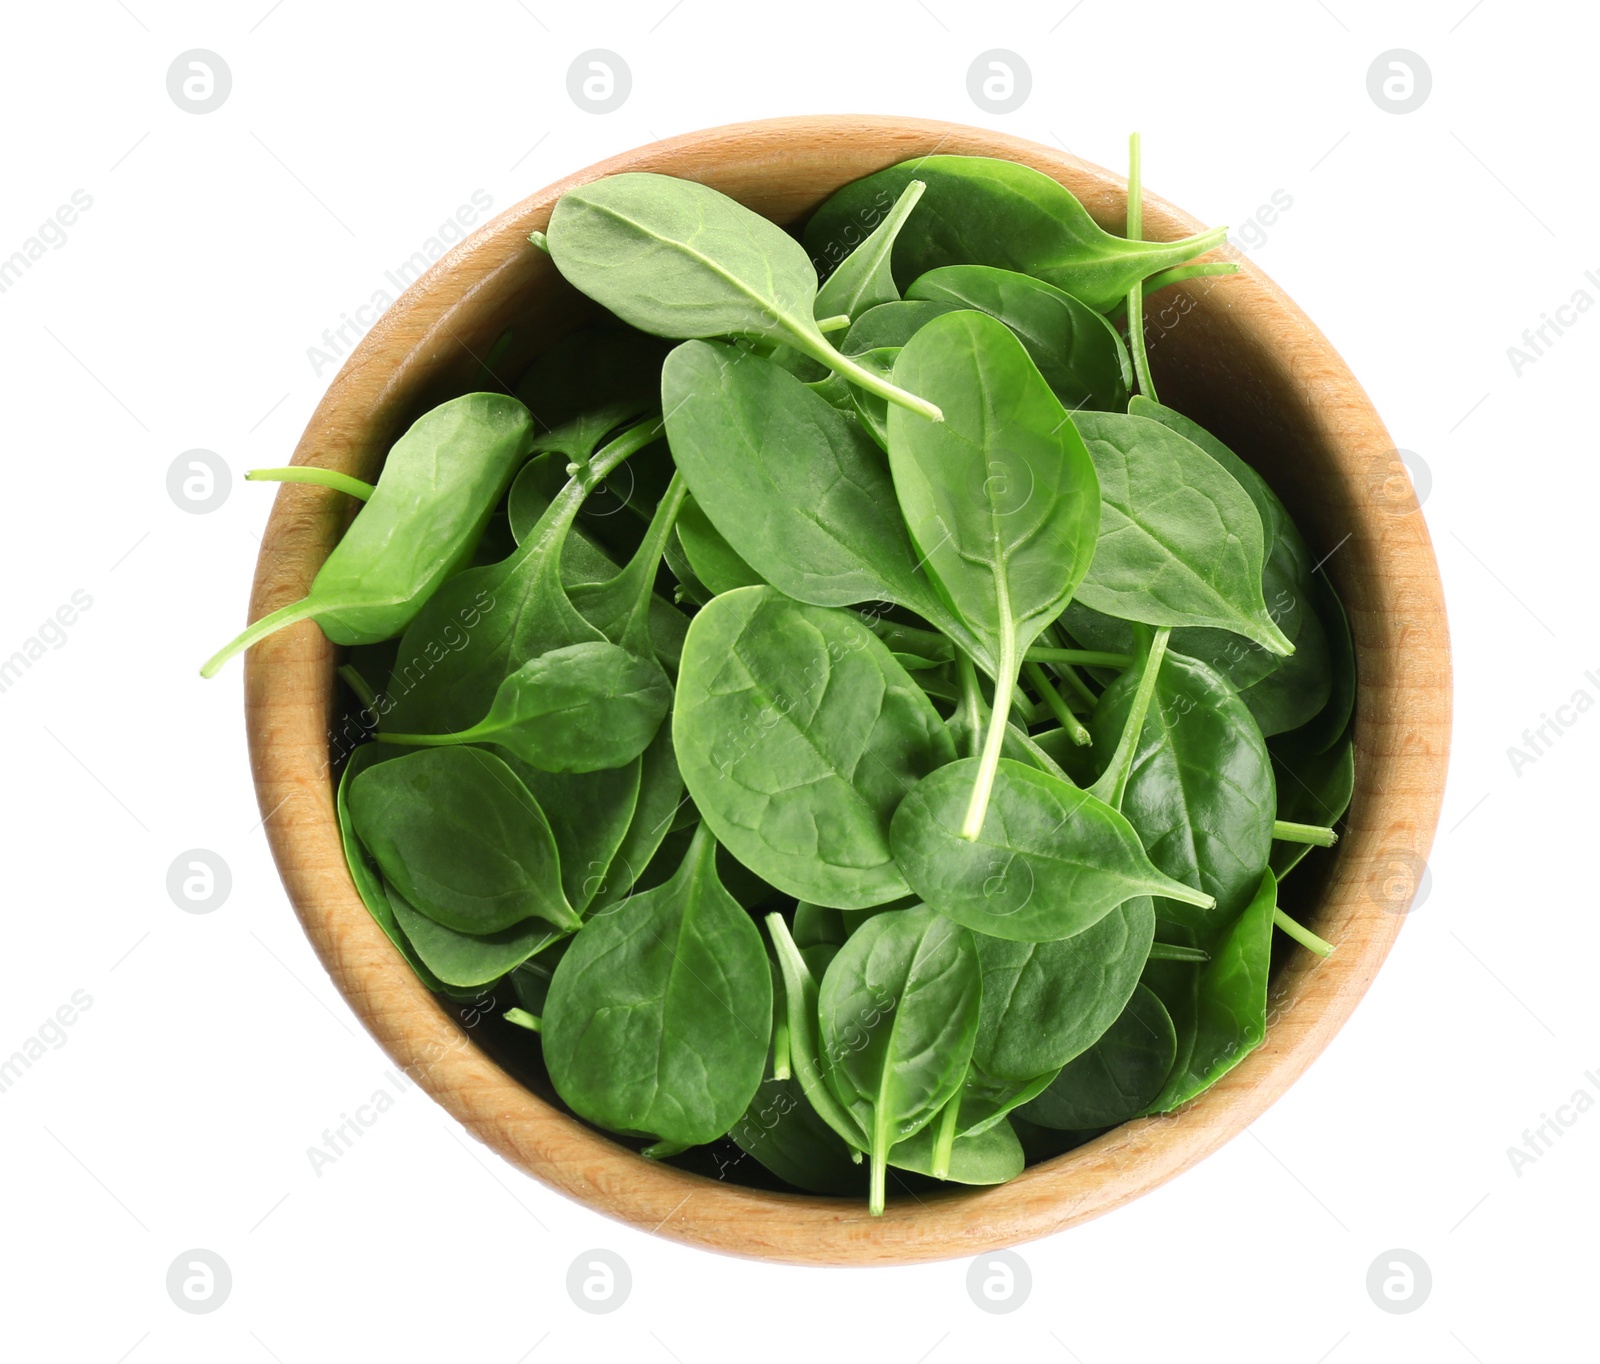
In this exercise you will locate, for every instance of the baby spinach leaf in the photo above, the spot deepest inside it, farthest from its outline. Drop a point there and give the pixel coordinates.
(1077, 351)
(467, 960)
(892, 324)
(1001, 497)
(659, 1015)
(1325, 729)
(1180, 540)
(1200, 791)
(1118, 1077)
(458, 834)
(1231, 1018)
(782, 1131)
(1045, 1003)
(588, 384)
(589, 815)
(620, 607)
(1050, 861)
(897, 1017)
(715, 562)
(576, 709)
(798, 735)
(368, 880)
(439, 484)
(678, 259)
(794, 486)
(485, 623)
(991, 1156)
(1313, 788)
(864, 279)
(659, 799)
(981, 211)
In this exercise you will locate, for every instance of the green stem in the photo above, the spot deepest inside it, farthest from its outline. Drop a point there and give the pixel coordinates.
(1057, 707)
(1318, 835)
(523, 1019)
(665, 1150)
(1005, 683)
(353, 679)
(540, 240)
(1041, 759)
(837, 323)
(944, 1138)
(322, 478)
(971, 700)
(258, 630)
(1171, 951)
(462, 736)
(1301, 934)
(875, 1192)
(1178, 273)
(1141, 360)
(1114, 780)
(818, 348)
(1087, 658)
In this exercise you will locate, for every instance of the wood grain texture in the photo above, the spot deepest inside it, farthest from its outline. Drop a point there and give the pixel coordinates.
(1234, 353)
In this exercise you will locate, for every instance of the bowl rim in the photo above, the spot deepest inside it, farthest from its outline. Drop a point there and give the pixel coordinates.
(1402, 740)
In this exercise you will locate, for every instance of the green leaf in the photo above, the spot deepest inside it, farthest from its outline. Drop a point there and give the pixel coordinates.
(678, 259)
(798, 735)
(460, 837)
(864, 279)
(1078, 352)
(1324, 730)
(1180, 540)
(991, 1156)
(659, 801)
(659, 1015)
(590, 814)
(467, 960)
(891, 325)
(1118, 1077)
(1200, 793)
(581, 708)
(1231, 1019)
(795, 487)
(1001, 498)
(439, 484)
(782, 1131)
(1050, 861)
(898, 1015)
(981, 211)
(715, 562)
(1046, 1003)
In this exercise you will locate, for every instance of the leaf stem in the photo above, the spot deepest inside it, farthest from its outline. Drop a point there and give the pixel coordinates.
(665, 1150)
(308, 473)
(944, 1138)
(538, 239)
(1114, 780)
(819, 348)
(1057, 707)
(1301, 934)
(1087, 658)
(971, 701)
(523, 1019)
(1318, 835)
(352, 678)
(1141, 360)
(837, 323)
(1171, 951)
(259, 630)
(1179, 273)
(1005, 684)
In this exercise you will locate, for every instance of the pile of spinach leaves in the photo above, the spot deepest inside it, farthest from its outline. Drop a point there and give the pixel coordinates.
(865, 739)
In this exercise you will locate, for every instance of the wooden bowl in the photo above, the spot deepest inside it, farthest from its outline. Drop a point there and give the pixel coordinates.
(1233, 353)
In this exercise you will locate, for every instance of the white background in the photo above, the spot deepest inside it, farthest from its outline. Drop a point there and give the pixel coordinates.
(178, 314)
